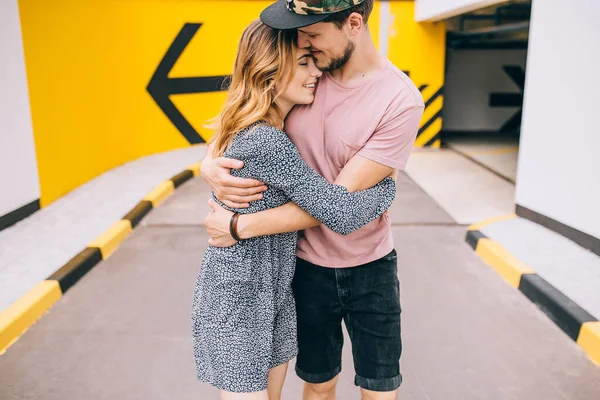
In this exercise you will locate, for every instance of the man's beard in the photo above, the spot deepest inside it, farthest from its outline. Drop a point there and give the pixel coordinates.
(339, 62)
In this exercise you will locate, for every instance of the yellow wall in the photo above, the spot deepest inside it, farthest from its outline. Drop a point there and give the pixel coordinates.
(89, 64)
(420, 49)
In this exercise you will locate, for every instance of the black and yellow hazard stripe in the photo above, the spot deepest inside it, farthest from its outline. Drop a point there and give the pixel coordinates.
(431, 124)
(577, 323)
(19, 214)
(15, 320)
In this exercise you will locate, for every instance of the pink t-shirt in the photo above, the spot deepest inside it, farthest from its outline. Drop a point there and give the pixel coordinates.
(377, 119)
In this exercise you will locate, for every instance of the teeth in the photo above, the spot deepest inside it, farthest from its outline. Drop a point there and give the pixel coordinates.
(312, 85)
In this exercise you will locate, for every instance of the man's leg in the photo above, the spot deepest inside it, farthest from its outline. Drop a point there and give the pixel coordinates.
(320, 337)
(372, 316)
(320, 391)
(370, 395)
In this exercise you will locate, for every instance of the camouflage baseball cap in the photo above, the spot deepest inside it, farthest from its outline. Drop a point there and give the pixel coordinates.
(291, 14)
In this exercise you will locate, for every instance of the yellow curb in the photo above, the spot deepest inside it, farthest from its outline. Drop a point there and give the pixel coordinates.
(589, 340)
(505, 264)
(110, 240)
(160, 193)
(195, 168)
(17, 318)
(479, 225)
(21, 315)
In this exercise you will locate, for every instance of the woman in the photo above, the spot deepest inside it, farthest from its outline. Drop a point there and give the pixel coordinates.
(243, 316)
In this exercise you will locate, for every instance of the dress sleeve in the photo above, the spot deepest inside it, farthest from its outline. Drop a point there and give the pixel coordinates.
(271, 157)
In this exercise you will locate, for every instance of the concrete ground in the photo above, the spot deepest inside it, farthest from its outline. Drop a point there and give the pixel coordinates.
(499, 153)
(123, 331)
(469, 192)
(37, 246)
(570, 268)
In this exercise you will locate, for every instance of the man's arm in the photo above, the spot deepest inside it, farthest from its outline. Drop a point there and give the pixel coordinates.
(359, 174)
(386, 152)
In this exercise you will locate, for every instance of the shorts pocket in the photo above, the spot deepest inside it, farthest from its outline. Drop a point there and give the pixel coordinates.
(392, 256)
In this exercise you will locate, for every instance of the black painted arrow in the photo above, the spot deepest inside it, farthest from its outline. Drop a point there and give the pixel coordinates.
(161, 87)
(517, 74)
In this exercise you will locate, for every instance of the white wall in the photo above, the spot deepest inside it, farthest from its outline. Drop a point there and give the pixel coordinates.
(471, 77)
(559, 160)
(18, 168)
(435, 10)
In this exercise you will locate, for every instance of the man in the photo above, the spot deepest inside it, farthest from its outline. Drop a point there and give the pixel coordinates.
(360, 129)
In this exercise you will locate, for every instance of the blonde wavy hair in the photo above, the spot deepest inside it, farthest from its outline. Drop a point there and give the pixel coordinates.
(265, 57)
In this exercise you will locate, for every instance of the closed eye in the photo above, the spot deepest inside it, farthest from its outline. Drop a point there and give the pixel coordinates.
(312, 35)
(303, 59)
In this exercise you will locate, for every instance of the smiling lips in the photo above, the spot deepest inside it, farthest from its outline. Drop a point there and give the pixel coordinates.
(310, 85)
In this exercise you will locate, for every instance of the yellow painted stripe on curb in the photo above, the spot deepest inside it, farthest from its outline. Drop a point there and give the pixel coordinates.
(17, 318)
(437, 144)
(195, 168)
(160, 193)
(479, 225)
(112, 238)
(509, 267)
(589, 340)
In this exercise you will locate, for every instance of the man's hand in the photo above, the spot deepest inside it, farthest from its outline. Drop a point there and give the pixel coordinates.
(232, 191)
(217, 225)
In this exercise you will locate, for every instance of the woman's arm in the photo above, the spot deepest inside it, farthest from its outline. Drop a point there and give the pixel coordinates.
(273, 159)
(359, 174)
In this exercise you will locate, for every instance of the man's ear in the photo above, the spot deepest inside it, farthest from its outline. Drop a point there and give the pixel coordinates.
(356, 22)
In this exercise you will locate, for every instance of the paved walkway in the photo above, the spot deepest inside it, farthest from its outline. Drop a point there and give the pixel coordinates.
(498, 153)
(123, 331)
(570, 268)
(36, 247)
(468, 192)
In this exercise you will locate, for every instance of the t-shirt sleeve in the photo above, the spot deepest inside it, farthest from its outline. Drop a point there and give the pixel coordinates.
(394, 139)
(272, 158)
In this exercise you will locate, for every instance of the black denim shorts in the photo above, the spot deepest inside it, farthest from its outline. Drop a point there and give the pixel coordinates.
(367, 298)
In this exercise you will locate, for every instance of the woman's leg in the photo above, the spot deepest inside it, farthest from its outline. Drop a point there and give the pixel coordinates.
(273, 392)
(244, 396)
(276, 380)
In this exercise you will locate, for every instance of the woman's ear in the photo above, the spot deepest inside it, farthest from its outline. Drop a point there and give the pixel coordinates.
(274, 92)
